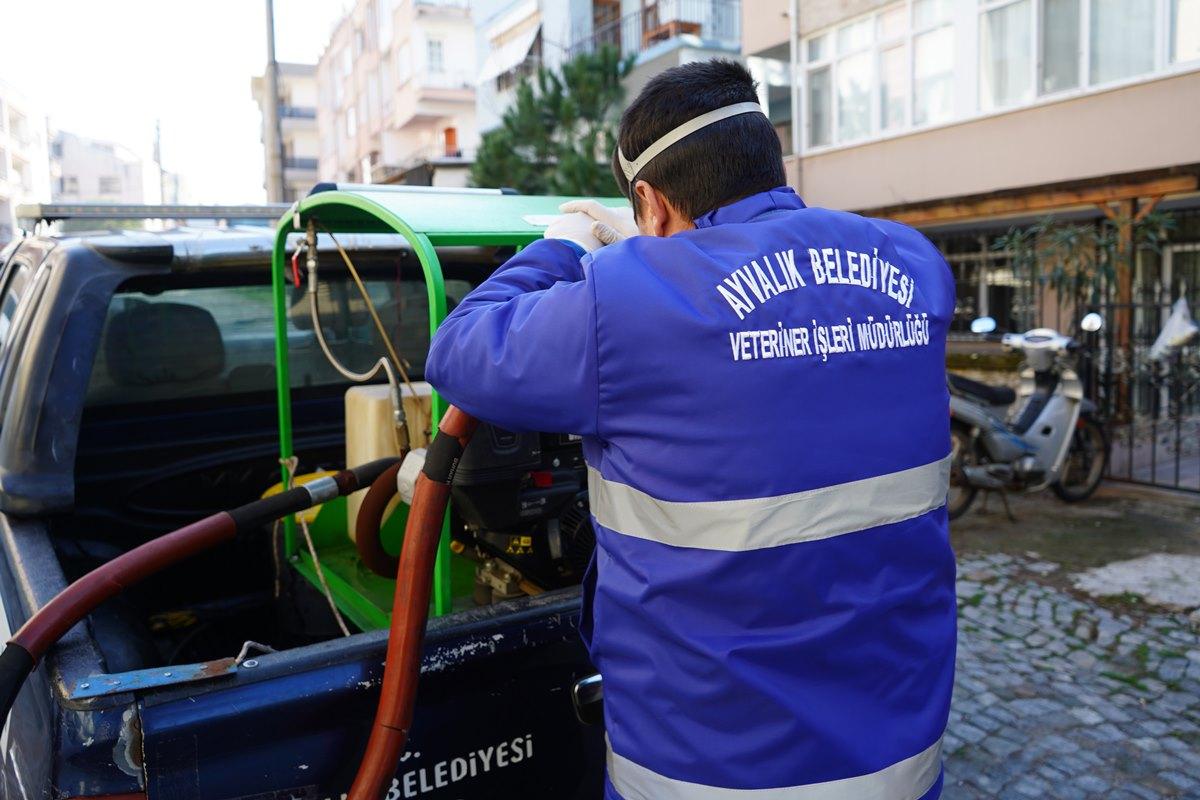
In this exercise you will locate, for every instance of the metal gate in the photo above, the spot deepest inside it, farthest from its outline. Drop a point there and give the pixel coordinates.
(1151, 405)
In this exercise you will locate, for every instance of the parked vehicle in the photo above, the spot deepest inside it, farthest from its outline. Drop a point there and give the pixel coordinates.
(1051, 438)
(138, 393)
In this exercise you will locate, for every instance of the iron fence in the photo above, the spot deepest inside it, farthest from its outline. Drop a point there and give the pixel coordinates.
(1151, 406)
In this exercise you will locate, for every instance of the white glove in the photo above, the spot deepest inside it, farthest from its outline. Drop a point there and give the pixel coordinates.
(575, 228)
(611, 224)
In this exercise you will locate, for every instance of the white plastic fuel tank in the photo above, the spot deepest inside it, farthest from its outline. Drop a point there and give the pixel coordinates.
(371, 433)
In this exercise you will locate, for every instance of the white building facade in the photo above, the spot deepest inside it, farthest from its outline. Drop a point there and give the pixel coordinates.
(24, 157)
(297, 126)
(396, 95)
(83, 169)
(907, 101)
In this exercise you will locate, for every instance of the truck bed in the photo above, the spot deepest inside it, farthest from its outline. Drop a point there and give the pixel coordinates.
(494, 716)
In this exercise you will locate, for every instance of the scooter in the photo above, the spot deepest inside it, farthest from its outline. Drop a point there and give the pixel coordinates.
(1052, 438)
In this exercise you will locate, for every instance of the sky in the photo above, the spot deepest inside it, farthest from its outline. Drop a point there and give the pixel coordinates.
(107, 69)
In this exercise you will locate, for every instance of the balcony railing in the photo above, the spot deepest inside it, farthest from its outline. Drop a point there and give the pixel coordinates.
(446, 79)
(297, 162)
(442, 3)
(712, 21)
(298, 112)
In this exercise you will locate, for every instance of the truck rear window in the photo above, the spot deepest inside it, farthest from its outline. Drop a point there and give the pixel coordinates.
(195, 342)
(13, 293)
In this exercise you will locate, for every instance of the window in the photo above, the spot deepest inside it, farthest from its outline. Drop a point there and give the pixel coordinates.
(1185, 30)
(221, 340)
(775, 94)
(373, 95)
(1060, 45)
(346, 60)
(1005, 55)
(22, 173)
(1122, 39)
(820, 108)
(857, 77)
(854, 76)
(892, 23)
(12, 298)
(433, 56)
(902, 65)
(3, 165)
(351, 123)
(403, 63)
(893, 64)
(387, 14)
(933, 76)
(854, 36)
(387, 85)
(18, 126)
(110, 184)
(927, 13)
(816, 49)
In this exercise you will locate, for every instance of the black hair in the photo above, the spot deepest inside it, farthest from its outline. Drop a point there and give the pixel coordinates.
(718, 164)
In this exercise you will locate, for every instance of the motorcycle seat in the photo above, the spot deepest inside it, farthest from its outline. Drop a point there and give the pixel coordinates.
(992, 395)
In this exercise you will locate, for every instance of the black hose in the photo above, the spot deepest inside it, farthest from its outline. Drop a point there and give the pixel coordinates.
(253, 516)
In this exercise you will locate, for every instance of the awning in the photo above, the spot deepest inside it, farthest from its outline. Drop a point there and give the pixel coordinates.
(508, 55)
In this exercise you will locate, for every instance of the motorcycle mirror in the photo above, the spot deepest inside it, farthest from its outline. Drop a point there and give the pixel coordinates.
(983, 325)
(1092, 322)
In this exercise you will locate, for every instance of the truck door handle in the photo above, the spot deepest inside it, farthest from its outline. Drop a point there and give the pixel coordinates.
(587, 695)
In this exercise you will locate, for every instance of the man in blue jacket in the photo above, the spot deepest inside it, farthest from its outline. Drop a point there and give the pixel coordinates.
(761, 393)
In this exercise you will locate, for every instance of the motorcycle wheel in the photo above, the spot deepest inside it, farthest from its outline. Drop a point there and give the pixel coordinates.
(962, 452)
(1084, 466)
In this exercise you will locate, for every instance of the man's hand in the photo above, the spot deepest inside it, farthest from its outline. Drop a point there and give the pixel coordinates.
(574, 227)
(611, 225)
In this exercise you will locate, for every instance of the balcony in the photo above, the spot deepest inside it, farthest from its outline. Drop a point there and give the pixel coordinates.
(715, 23)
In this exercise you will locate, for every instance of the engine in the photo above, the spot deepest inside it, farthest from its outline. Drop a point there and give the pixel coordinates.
(521, 511)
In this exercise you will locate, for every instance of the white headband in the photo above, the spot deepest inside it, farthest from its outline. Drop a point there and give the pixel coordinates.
(632, 168)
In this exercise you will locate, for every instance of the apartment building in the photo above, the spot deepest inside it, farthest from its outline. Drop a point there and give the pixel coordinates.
(93, 170)
(396, 94)
(518, 35)
(966, 117)
(297, 128)
(24, 159)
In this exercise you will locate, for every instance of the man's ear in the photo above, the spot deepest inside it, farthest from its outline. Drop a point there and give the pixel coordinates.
(656, 215)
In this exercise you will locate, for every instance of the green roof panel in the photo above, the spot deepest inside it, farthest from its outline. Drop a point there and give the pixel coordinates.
(446, 216)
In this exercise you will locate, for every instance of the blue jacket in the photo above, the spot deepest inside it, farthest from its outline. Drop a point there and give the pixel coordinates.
(765, 419)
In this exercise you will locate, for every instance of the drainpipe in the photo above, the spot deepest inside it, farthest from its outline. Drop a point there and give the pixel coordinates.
(794, 57)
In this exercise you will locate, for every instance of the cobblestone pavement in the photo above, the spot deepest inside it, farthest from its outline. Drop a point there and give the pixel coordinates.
(1058, 696)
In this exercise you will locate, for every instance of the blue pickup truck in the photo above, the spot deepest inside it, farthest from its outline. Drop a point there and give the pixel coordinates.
(138, 393)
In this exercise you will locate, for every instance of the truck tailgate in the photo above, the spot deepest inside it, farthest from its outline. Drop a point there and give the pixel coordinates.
(494, 716)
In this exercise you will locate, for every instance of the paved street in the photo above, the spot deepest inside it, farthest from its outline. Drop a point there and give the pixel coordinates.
(1060, 695)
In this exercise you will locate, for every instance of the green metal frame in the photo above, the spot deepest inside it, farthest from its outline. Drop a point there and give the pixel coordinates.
(438, 218)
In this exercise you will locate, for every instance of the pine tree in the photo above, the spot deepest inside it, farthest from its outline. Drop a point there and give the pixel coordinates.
(559, 133)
